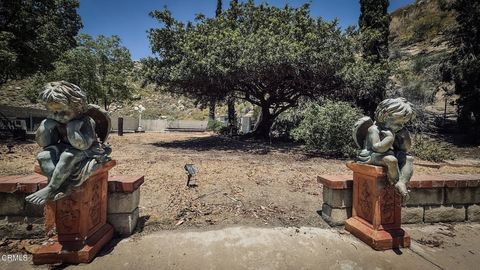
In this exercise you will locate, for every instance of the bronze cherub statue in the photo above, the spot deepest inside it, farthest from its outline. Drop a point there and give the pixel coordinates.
(73, 140)
(386, 141)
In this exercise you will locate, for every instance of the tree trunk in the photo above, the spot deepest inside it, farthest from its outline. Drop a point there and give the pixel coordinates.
(211, 109)
(105, 103)
(231, 111)
(264, 124)
(232, 121)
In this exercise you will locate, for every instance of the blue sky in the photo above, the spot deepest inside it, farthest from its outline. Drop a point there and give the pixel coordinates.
(129, 18)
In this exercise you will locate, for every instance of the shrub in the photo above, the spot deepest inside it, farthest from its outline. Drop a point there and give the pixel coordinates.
(431, 150)
(215, 126)
(286, 122)
(35, 85)
(327, 128)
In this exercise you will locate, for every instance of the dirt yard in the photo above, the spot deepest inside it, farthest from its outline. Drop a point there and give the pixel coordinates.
(239, 183)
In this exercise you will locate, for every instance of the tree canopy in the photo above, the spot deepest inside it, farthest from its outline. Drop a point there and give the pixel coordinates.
(100, 66)
(374, 23)
(268, 56)
(34, 33)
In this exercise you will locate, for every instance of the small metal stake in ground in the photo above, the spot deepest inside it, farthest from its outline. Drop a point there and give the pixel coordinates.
(191, 172)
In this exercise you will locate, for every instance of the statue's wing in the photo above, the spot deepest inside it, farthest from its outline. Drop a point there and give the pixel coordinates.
(103, 123)
(360, 130)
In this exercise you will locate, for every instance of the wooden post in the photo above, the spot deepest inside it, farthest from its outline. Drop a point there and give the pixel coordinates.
(445, 111)
(120, 126)
(31, 122)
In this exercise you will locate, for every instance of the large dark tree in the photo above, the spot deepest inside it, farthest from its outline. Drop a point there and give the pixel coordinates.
(218, 10)
(374, 24)
(466, 65)
(271, 58)
(34, 33)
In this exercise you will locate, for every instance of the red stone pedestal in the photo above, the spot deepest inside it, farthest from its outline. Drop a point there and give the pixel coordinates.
(80, 220)
(376, 211)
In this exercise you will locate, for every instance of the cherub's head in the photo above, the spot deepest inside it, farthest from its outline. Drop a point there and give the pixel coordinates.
(394, 113)
(64, 100)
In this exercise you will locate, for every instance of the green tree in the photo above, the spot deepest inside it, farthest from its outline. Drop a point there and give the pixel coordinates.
(465, 62)
(232, 121)
(218, 10)
(8, 57)
(101, 67)
(373, 24)
(213, 99)
(271, 58)
(34, 33)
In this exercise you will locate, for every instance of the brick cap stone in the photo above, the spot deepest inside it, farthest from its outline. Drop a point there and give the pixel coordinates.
(417, 181)
(370, 170)
(22, 183)
(345, 181)
(342, 181)
(124, 183)
(445, 180)
(33, 182)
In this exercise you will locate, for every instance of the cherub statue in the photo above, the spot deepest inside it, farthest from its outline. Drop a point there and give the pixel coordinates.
(386, 141)
(72, 138)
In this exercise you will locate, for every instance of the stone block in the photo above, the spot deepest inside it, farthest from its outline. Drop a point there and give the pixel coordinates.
(462, 195)
(412, 214)
(426, 196)
(33, 210)
(337, 198)
(451, 213)
(335, 216)
(124, 223)
(121, 202)
(473, 213)
(12, 204)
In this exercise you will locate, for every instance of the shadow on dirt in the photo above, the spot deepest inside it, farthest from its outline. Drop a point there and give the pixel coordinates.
(222, 143)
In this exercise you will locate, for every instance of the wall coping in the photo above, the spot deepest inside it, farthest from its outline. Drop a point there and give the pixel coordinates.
(33, 182)
(125, 183)
(345, 181)
(367, 169)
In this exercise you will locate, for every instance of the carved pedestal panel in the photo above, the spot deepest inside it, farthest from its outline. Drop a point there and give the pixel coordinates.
(376, 212)
(80, 222)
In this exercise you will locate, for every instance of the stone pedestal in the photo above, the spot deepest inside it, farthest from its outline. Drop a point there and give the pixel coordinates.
(376, 211)
(80, 221)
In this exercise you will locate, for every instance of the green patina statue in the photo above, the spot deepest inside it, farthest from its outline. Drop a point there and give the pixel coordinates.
(72, 138)
(386, 141)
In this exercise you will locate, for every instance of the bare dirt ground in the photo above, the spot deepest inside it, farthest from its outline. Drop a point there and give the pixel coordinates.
(239, 183)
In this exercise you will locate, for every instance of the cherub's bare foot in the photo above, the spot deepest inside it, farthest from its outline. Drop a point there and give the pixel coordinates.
(62, 192)
(59, 195)
(402, 189)
(40, 197)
